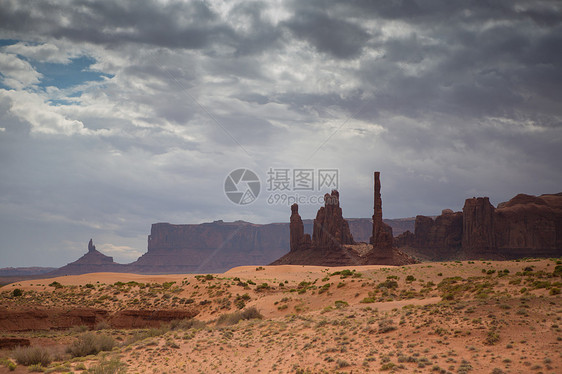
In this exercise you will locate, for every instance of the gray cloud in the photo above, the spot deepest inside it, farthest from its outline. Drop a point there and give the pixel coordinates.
(448, 101)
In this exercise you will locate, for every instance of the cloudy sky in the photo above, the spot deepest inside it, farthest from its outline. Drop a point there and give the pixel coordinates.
(114, 116)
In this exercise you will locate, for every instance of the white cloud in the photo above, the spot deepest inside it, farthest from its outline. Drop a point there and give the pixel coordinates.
(44, 119)
(16, 72)
(44, 52)
(120, 253)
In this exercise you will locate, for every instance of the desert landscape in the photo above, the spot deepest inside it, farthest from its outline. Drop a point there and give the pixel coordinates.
(197, 187)
(449, 317)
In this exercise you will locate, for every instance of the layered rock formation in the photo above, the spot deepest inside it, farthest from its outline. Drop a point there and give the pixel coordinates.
(434, 239)
(210, 247)
(525, 226)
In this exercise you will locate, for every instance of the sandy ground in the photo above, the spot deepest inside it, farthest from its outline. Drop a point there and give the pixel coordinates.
(457, 317)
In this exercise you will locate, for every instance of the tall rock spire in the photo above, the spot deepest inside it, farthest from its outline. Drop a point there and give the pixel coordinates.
(298, 239)
(382, 238)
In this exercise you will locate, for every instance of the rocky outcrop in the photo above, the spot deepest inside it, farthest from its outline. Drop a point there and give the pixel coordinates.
(92, 262)
(11, 343)
(59, 319)
(525, 226)
(381, 239)
(331, 230)
(298, 239)
(434, 239)
(332, 242)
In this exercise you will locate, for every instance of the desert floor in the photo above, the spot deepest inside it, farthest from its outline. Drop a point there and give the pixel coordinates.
(451, 317)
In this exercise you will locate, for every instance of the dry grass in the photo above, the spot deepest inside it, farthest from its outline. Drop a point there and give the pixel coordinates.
(32, 356)
(91, 344)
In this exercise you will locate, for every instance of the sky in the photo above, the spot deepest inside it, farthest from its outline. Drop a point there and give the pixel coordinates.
(117, 115)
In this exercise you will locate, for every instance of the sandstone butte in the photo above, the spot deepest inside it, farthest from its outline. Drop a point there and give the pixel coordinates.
(525, 226)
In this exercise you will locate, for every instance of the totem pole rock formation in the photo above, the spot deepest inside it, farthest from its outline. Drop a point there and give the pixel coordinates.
(330, 229)
(382, 239)
(298, 239)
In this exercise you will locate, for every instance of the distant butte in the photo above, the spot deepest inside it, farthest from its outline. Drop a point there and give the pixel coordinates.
(525, 226)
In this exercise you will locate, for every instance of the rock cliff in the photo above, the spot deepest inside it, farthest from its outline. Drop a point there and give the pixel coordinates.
(211, 247)
(525, 226)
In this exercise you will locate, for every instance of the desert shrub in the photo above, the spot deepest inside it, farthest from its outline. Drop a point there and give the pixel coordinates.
(17, 292)
(102, 325)
(554, 291)
(78, 329)
(113, 366)
(410, 278)
(386, 325)
(234, 318)
(91, 344)
(263, 287)
(341, 304)
(186, 324)
(56, 284)
(37, 368)
(32, 356)
(7, 363)
(388, 284)
(80, 366)
(209, 277)
(492, 338)
(342, 363)
(144, 334)
(324, 288)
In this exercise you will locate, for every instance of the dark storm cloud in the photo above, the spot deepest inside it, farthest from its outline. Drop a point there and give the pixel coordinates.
(189, 25)
(338, 38)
